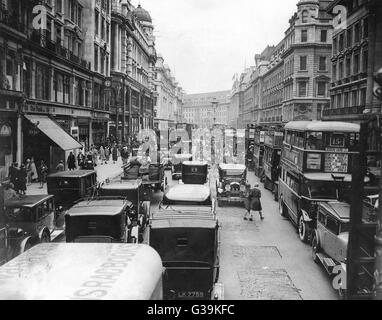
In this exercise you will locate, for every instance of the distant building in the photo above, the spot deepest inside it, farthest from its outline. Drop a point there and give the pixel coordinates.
(357, 55)
(207, 109)
(169, 96)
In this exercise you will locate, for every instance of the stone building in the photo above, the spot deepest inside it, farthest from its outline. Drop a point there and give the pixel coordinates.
(132, 67)
(46, 81)
(207, 109)
(169, 96)
(357, 55)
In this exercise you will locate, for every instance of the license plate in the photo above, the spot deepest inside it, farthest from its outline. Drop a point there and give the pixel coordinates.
(191, 294)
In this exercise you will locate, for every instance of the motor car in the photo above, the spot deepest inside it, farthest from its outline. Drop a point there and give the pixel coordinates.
(194, 172)
(70, 186)
(100, 220)
(177, 161)
(186, 233)
(34, 214)
(230, 187)
(133, 191)
(13, 241)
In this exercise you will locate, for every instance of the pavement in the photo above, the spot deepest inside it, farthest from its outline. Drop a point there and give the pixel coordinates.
(104, 171)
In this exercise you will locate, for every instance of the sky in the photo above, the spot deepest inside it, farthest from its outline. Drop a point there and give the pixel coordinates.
(206, 42)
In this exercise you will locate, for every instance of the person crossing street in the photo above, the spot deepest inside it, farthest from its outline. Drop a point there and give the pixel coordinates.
(252, 202)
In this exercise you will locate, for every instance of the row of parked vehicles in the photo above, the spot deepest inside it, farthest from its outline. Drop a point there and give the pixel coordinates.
(307, 166)
(183, 235)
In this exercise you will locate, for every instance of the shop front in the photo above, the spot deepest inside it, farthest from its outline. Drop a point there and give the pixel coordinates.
(7, 145)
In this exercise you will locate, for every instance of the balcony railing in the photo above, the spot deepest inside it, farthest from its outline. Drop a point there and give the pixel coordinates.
(344, 111)
(41, 40)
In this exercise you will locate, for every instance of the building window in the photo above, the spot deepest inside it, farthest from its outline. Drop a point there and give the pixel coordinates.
(357, 31)
(304, 35)
(59, 6)
(366, 28)
(322, 64)
(339, 101)
(324, 35)
(321, 89)
(79, 14)
(341, 70)
(334, 72)
(363, 97)
(356, 63)
(365, 60)
(334, 45)
(95, 58)
(355, 98)
(96, 22)
(67, 90)
(305, 16)
(348, 66)
(341, 42)
(108, 32)
(303, 64)
(42, 83)
(349, 37)
(346, 100)
(302, 88)
(103, 35)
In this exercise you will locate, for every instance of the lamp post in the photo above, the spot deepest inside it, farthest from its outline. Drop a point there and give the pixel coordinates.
(378, 236)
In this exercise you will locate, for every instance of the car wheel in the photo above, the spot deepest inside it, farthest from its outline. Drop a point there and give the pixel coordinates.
(282, 208)
(302, 229)
(315, 249)
(45, 238)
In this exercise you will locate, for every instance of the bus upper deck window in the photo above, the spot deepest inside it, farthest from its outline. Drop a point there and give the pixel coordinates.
(314, 141)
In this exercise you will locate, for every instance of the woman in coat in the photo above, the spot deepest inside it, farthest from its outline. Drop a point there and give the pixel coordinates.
(34, 170)
(253, 202)
(102, 154)
(71, 161)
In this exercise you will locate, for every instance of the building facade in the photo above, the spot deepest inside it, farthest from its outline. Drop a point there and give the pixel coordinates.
(132, 67)
(207, 109)
(169, 96)
(356, 56)
(46, 81)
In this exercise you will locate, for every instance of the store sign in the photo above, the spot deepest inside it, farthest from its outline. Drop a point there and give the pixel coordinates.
(313, 161)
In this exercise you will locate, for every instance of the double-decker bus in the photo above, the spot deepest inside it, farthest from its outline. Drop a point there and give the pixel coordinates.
(273, 142)
(249, 145)
(258, 151)
(316, 166)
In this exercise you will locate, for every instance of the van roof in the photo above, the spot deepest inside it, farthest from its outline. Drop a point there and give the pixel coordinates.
(61, 271)
(27, 201)
(188, 192)
(183, 220)
(72, 174)
(103, 207)
(122, 185)
(324, 126)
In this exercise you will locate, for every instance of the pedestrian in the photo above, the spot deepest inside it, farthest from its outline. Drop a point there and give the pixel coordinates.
(13, 173)
(102, 155)
(60, 167)
(10, 193)
(107, 154)
(94, 155)
(22, 180)
(80, 159)
(115, 154)
(43, 173)
(29, 172)
(71, 161)
(34, 170)
(254, 202)
(124, 155)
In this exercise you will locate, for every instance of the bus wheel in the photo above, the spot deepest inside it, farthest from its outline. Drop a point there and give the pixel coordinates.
(315, 249)
(282, 208)
(302, 229)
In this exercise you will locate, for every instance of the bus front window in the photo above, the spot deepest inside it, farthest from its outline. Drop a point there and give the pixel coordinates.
(322, 190)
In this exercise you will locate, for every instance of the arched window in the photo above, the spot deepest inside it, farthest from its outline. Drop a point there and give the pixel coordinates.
(305, 16)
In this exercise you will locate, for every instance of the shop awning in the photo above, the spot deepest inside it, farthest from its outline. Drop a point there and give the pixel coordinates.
(54, 132)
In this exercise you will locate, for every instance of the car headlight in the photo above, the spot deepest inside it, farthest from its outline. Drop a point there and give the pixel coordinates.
(242, 188)
(220, 190)
(227, 187)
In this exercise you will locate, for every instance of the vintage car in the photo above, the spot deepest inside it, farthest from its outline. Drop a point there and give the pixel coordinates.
(13, 241)
(230, 187)
(153, 178)
(194, 172)
(185, 233)
(100, 220)
(177, 161)
(84, 271)
(133, 191)
(70, 186)
(35, 215)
